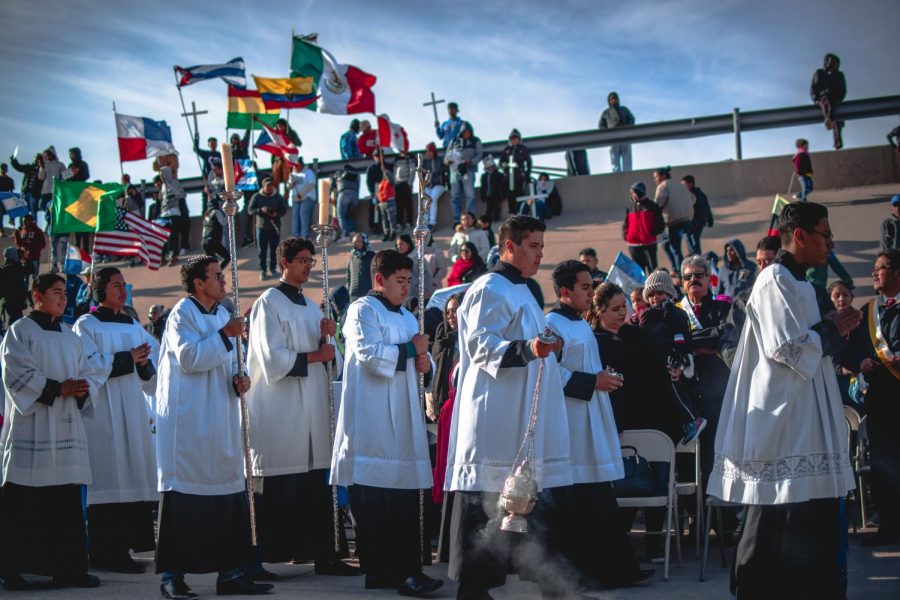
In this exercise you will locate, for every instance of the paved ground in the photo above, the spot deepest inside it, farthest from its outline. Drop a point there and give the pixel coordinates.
(871, 575)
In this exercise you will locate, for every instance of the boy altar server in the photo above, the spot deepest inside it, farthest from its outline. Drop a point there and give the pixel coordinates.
(380, 445)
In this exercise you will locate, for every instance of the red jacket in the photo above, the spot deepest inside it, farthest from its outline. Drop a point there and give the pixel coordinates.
(643, 222)
(367, 142)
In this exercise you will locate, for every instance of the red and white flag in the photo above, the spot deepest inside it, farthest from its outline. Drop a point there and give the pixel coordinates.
(274, 142)
(392, 135)
(133, 236)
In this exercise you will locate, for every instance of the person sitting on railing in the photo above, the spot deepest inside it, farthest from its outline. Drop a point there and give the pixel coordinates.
(827, 90)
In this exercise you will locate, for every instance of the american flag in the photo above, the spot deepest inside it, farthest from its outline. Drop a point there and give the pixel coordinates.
(133, 236)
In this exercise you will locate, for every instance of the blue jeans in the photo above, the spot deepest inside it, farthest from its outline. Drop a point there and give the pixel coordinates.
(806, 186)
(673, 245)
(460, 184)
(620, 156)
(302, 216)
(388, 212)
(346, 202)
(693, 237)
(267, 239)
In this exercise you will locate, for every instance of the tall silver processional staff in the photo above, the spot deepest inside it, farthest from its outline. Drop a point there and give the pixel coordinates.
(230, 208)
(324, 236)
(421, 233)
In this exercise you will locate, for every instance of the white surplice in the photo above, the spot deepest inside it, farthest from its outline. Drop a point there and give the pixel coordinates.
(120, 443)
(45, 445)
(781, 436)
(198, 417)
(493, 403)
(596, 454)
(380, 439)
(289, 417)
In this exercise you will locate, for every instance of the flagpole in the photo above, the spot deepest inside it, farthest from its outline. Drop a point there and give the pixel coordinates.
(186, 119)
(121, 168)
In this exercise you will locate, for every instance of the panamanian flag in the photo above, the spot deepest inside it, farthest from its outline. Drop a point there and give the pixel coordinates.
(140, 138)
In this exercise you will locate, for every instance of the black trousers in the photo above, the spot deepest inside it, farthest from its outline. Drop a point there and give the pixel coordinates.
(43, 530)
(119, 527)
(216, 247)
(406, 214)
(790, 551)
(387, 531)
(644, 256)
(883, 418)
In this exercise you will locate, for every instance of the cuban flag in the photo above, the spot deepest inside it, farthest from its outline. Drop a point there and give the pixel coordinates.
(14, 205)
(77, 260)
(245, 178)
(140, 138)
(231, 73)
(392, 135)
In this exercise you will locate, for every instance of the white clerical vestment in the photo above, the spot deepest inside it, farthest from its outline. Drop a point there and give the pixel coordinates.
(380, 439)
(493, 402)
(120, 443)
(45, 445)
(288, 402)
(781, 436)
(596, 454)
(198, 416)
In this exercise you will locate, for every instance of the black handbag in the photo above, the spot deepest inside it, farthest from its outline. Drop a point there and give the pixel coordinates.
(642, 478)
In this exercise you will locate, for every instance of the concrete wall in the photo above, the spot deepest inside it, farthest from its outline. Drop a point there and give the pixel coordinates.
(741, 178)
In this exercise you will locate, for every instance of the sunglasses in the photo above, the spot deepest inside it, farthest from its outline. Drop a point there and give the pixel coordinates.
(695, 275)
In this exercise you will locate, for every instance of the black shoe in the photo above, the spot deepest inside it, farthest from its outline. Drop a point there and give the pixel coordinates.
(385, 238)
(14, 582)
(419, 585)
(242, 586)
(125, 564)
(378, 582)
(83, 580)
(176, 589)
(261, 574)
(335, 567)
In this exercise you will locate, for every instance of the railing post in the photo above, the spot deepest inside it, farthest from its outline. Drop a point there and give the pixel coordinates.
(736, 124)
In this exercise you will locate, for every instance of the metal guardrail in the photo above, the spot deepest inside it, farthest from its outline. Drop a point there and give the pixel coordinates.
(734, 122)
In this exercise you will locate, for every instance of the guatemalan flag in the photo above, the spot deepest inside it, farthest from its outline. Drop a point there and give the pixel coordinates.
(231, 73)
(140, 138)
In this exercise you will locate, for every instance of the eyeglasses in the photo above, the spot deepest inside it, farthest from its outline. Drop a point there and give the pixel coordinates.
(825, 234)
(219, 276)
(694, 275)
(881, 268)
(305, 260)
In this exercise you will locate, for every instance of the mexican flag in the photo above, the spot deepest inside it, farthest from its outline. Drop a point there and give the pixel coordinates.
(81, 207)
(341, 89)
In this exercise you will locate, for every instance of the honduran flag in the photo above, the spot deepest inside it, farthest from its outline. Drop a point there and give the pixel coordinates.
(14, 205)
(341, 89)
(392, 135)
(77, 260)
(231, 73)
(140, 138)
(277, 143)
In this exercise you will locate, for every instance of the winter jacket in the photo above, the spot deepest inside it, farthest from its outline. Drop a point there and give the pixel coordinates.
(522, 157)
(676, 202)
(405, 170)
(84, 172)
(31, 181)
(643, 222)
(437, 172)
(828, 85)
(51, 169)
(734, 278)
(469, 150)
(349, 147)
(615, 117)
(345, 181)
(277, 206)
(366, 143)
(890, 233)
(359, 273)
(492, 189)
(703, 216)
(448, 131)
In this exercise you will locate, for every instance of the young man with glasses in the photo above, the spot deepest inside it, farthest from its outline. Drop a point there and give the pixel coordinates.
(291, 341)
(782, 449)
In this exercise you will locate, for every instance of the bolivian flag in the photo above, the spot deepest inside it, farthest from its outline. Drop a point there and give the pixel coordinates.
(286, 92)
(80, 207)
(243, 104)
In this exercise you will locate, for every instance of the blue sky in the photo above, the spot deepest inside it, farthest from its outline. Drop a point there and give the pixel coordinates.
(543, 67)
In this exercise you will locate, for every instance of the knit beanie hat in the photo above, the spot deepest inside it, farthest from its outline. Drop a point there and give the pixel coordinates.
(658, 281)
(639, 188)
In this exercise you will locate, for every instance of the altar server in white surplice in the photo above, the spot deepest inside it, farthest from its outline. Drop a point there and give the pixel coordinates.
(500, 357)
(290, 429)
(381, 445)
(596, 541)
(123, 494)
(781, 445)
(204, 515)
(48, 375)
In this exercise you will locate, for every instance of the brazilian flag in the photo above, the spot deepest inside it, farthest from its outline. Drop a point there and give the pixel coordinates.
(82, 207)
